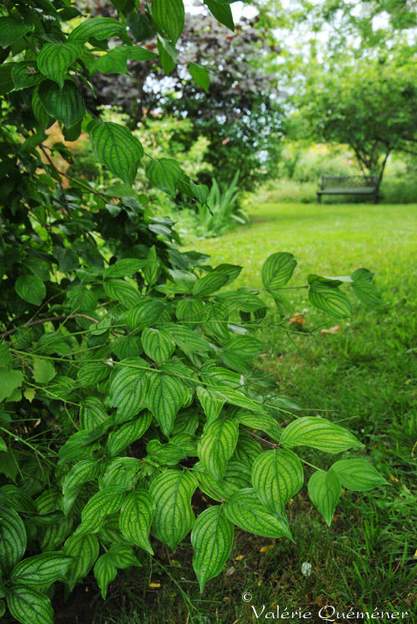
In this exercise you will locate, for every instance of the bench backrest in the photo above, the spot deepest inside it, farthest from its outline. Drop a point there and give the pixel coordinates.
(348, 182)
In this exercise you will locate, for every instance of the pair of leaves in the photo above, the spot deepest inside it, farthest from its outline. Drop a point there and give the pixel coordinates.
(324, 487)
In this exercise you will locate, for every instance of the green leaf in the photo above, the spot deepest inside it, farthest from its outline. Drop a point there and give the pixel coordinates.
(92, 373)
(213, 281)
(82, 472)
(24, 75)
(129, 433)
(324, 492)
(10, 380)
(166, 394)
(245, 511)
(171, 492)
(5, 355)
(217, 445)
(98, 28)
(126, 267)
(136, 519)
(31, 289)
(211, 405)
(122, 472)
(200, 75)
(128, 389)
(262, 422)
(105, 572)
(12, 538)
(117, 148)
(277, 270)
(319, 433)
(364, 288)
(212, 541)
(325, 295)
(145, 314)
(357, 474)
(54, 60)
(92, 414)
(277, 476)
(12, 30)
(168, 16)
(43, 370)
(65, 103)
(124, 292)
(167, 55)
(187, 339)
(157, 344)
(43, 119)
(84, 551)
(221, 11)
(104, 503)
(115, 61)
(42, 570)
(240, 351)
(28, 606)
(165, 173)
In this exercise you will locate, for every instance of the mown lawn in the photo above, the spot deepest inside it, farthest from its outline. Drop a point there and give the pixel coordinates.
(365, 376)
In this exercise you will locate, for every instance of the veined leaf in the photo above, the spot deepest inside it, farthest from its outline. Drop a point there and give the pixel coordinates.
(245, 510)
(168, 16)
(92, 413)
(128, 389)
(211, 405)
(325, 295)
(117, 148)
(31, 289)
(98, 28)
(84, 551)
(92, 373)
(122, 472)
(157, 344)
(55, 59)
(12, 538)
(115, 61)
(28, 606)
(145, 314)
(319, 433)
(120, 290)
(212, 540)
(357, 474)
(135, 519)
(125, 267)
(104, 503)
(165, 173)
(171, 492)
(364, 288)
(188, 340)
(105, 572)
(166, 394)
(262, 422)
(277, 270)
(41, 570)
(65, 103)
(127, 434)
(217, 445)
(213, 281)
(324, 492)
(277, 476)
(240, 351)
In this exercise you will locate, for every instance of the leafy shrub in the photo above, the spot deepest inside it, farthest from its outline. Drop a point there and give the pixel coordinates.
(126, 379)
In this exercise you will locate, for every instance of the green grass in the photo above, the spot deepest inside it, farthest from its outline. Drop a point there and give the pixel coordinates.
(364, 376)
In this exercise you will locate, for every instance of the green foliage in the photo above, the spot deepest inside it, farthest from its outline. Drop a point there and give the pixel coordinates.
(133, 358)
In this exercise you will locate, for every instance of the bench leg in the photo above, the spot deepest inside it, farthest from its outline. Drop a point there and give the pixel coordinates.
(319, 197)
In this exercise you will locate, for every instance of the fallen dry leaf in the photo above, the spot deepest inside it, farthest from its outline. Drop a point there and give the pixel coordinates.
(331, 330)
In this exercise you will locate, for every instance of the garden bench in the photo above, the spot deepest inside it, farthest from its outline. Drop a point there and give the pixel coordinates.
(363, 186)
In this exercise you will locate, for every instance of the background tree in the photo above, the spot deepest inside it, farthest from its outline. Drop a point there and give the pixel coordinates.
(370, 105)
